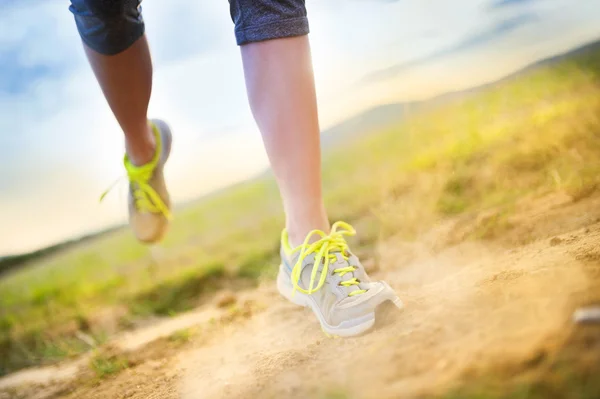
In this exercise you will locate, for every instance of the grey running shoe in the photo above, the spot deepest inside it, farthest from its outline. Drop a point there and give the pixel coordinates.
(325, 276)
(149, 203)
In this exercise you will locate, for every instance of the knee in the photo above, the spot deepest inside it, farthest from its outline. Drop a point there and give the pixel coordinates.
(108, 26)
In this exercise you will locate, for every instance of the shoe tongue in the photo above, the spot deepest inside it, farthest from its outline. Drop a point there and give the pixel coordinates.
(339, 263)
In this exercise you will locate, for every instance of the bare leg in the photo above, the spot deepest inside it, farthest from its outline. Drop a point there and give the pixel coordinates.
(281, 91)
(126, 80)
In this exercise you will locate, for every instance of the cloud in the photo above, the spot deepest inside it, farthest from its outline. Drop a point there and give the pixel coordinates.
(35, 49)
(505, 3)
(187, 29)
(17, 78)
(473, 41)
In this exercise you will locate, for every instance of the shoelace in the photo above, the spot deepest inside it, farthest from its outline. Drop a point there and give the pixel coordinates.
(146, 198)
(325, 249)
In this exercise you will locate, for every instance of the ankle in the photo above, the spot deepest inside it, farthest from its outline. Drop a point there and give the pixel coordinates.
(141, 145)
(299, 229)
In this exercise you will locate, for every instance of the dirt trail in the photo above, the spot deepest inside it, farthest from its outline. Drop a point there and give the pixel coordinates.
(468, 306)
(128, 341)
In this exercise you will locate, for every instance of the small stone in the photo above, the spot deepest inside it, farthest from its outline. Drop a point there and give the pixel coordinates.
(555, 241)
(587, 315)
(226, 298)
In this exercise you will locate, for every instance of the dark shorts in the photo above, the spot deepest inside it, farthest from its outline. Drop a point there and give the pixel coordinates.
(111, 26)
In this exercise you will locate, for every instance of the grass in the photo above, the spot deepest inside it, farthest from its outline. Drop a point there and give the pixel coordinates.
(182, 336)
(104, 365)
(177, 294)
(530, 135)
(335, 394)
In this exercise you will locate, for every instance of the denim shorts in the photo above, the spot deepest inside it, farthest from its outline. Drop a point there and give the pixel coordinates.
(111, 26)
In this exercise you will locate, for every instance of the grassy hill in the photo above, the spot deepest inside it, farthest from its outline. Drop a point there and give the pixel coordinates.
(534, 133)
(377, 118)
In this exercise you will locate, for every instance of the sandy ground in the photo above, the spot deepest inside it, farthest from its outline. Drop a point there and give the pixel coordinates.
(468, 305)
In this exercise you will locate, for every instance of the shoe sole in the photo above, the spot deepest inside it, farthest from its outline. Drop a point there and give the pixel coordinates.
(347, 328)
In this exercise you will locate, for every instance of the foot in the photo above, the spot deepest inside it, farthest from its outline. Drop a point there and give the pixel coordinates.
(325, 276)
(149, 203)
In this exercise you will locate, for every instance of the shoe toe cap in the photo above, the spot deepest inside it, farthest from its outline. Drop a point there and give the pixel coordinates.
(364, 305)
(149, 228)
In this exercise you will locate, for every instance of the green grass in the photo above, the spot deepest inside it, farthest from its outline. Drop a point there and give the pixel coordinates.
(104, 365)
(335, 394)
(177, 294)
(182, 336)
(534, 134)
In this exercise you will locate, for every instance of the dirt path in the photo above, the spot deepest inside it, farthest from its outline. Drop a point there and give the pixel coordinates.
(468, 306)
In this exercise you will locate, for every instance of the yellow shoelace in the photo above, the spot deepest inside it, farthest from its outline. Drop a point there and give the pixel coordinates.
(325, 248)
(146, 198)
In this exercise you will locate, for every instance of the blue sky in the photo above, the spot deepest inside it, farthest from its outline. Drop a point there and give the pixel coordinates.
(60, 147)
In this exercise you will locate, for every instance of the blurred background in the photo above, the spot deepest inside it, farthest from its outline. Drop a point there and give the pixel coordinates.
(399, 51)
(461, 138)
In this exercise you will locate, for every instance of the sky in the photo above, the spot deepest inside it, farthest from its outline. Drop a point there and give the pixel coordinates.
(60, 148)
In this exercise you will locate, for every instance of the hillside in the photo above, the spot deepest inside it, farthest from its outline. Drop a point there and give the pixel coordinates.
(483, 210)
(374, 119)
